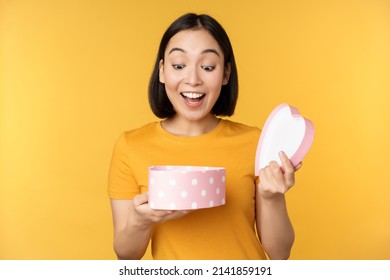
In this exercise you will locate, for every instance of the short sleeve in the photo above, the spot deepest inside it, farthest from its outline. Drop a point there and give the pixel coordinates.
(121, 182)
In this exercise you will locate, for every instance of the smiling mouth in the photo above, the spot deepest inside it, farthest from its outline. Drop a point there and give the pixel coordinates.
(193, 96)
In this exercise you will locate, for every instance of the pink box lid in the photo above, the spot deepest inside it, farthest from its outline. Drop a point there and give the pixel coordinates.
(285, 130)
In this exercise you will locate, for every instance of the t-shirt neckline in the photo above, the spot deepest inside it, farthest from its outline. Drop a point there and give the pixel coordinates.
(211, 133)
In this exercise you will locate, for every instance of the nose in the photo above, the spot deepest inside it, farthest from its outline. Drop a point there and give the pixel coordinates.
(193, 78)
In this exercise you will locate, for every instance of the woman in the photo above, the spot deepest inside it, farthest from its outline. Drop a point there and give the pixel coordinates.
(194, 82)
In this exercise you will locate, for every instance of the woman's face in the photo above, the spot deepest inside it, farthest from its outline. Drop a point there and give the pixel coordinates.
(193, 72)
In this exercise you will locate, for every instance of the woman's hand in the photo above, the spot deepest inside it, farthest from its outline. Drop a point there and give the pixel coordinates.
(133, 225)
(147, 216)
(275, 180)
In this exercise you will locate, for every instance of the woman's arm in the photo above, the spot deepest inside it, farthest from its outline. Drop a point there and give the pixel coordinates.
(131, 238)
(274, 227)
(133, 225)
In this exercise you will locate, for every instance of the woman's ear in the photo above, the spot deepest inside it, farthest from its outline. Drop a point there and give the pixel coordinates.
(161, 71)
(226, 74)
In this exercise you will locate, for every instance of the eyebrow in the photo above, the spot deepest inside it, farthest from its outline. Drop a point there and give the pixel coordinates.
(203, 52)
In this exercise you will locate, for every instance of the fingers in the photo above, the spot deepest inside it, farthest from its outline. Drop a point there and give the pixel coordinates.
(274, 178)
(160, 216)
(289, 170)
(143, 209)
(286, 163)
(278, 179)
(176, 214)
(149, 215)
(299, 165)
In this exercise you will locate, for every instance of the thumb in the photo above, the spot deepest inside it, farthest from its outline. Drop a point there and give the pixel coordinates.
(140, 199)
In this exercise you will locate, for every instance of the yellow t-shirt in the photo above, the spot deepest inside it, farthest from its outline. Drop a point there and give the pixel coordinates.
(223, 232)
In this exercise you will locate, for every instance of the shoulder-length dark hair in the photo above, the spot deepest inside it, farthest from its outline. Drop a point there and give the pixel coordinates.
(226, 103)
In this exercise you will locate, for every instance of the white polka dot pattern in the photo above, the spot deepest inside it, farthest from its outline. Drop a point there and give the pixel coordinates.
(186, 187)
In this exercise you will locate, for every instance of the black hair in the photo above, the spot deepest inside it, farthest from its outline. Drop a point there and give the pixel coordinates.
(226, 103)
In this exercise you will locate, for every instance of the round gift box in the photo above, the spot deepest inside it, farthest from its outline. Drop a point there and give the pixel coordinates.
(186, 187)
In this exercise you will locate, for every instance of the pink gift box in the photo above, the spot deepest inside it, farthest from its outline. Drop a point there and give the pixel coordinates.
(186, 187)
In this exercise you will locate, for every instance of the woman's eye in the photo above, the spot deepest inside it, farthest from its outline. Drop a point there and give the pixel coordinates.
(178, 66)
(208, 68)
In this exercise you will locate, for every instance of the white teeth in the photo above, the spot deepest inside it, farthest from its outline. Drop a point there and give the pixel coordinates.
(192, 94)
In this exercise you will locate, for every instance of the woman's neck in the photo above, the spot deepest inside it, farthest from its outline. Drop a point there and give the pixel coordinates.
(184, 127)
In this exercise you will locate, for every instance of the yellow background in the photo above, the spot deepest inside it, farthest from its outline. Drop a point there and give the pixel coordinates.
(74, 75)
